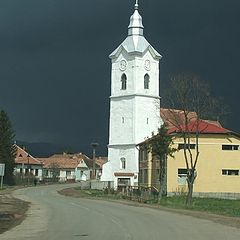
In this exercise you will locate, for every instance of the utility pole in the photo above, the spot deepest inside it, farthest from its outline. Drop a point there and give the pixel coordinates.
(94, 146)
(28, 170)
(2, 170)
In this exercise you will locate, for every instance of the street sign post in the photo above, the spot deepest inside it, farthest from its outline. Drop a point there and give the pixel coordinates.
(2, 170)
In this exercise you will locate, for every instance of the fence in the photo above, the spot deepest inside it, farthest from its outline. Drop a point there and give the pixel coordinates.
(96, 184)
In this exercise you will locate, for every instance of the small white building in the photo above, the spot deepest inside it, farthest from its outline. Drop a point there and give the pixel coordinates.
(26, 165)
(134, 103)
(68, 167)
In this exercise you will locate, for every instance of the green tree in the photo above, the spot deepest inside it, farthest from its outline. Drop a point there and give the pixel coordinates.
(7, 148)
(161, 147)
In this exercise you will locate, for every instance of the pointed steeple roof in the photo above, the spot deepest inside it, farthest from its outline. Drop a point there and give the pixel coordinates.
(135, 26)
(135, 41)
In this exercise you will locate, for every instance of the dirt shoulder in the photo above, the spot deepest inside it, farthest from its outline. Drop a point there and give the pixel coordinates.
(12, 210)
(225, 220)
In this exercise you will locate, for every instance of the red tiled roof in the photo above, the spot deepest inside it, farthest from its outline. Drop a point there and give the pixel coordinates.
(23, 157)
(89, 163)
(67, 161)
(202, 126)
(174, 117)
(174, 120)
(101, 160)
(63, 163)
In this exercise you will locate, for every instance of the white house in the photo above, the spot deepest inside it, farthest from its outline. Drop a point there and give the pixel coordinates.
(134, 103)
(26, 165)
(68, 167)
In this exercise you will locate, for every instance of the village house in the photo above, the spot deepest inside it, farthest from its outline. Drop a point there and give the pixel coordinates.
(218, 166)
(69, 167)
(27, 166)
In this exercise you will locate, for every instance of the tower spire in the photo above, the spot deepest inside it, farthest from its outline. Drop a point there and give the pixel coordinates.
(136, 5)
(135, 26)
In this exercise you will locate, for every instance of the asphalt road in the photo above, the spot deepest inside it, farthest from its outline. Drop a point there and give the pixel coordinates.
(56, 217)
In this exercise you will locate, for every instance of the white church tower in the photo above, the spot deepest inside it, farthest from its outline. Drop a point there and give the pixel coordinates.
(134, 103)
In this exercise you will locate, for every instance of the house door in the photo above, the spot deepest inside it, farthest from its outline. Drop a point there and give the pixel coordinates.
(123, 183)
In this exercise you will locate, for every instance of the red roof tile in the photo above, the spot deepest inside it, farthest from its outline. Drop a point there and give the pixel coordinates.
(174, 120)
(101, 160)
(174, 117)
(201, 126)
(23, 157)
(67, 161)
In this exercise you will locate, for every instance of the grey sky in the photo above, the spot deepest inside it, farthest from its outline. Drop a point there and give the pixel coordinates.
(55, 70)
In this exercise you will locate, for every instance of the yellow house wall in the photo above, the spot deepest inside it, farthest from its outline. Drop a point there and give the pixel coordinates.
(212, 160)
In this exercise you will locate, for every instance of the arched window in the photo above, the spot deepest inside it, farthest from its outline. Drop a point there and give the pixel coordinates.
(146, 81)
(122, 163)
(124, 82)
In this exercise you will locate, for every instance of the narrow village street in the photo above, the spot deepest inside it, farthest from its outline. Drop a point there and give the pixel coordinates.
(54, 216)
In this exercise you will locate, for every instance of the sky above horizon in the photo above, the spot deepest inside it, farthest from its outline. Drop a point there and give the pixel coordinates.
(55, 71)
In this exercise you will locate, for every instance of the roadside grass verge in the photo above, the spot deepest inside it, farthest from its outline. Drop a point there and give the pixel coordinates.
(224, 207)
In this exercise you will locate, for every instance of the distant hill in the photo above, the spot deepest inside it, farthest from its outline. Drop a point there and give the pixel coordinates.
(41, 149)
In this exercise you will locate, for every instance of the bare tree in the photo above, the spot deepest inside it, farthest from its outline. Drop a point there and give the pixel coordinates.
(192, 97)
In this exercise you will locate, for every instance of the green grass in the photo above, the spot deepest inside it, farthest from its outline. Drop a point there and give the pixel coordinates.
(210, 205)
(99, 194)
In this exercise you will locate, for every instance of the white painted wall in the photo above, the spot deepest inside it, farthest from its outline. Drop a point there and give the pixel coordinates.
(17, 169)
(134, 113)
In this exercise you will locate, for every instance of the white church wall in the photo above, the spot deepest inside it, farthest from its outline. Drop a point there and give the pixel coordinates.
(147, 117)
(153, 72)
(121, 123)
(130, 153)
(134, 109)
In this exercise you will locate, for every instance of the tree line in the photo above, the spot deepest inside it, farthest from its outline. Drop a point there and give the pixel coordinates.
(7, 147)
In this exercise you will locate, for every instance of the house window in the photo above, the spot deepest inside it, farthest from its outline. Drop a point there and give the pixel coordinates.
(146, 81)
(140, 176)
(123, 181)
(36, 172)
(182, 176)
(190, 146)
(145, 176)
(123, 120)
(157, 175)
(68, 173)
(143, 154)
(231, 172)
(124, 82)
(230, 147)
(123, 163)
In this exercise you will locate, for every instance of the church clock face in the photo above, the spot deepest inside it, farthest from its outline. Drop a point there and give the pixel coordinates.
(147, 65)
(123, 65)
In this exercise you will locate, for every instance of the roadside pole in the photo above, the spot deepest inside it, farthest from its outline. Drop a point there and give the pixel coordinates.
(1, 182)
(2, 169)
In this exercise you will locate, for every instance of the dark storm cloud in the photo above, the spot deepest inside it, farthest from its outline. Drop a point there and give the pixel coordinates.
(55, 71)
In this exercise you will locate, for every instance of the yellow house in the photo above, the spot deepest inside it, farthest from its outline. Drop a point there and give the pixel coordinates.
(217, 169)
